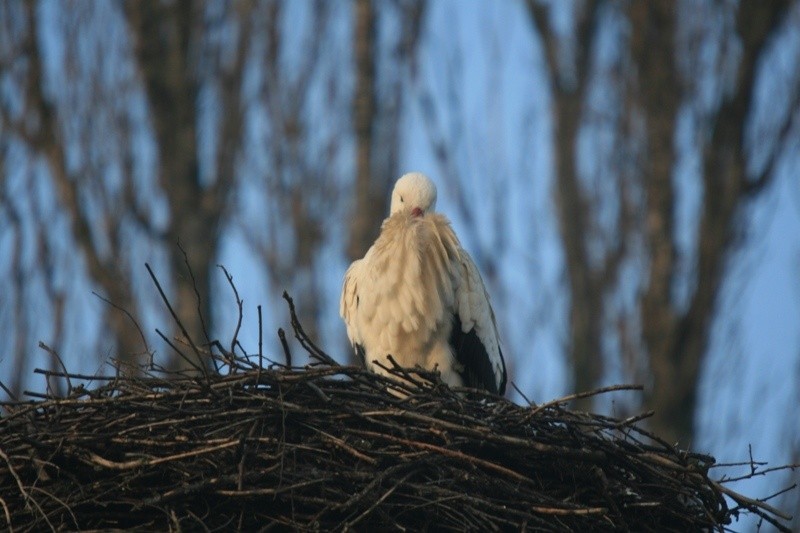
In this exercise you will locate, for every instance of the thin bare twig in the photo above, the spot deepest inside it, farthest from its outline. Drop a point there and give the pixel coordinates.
(57, 357)
(130, 317)
(301, 336)
(239, 304)
(200, 367)
(286, 351)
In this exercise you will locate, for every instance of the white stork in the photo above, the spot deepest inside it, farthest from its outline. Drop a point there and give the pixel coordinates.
(418, 296)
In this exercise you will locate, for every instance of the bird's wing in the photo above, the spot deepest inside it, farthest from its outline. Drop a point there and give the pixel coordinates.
(474, 338)
(348, 305)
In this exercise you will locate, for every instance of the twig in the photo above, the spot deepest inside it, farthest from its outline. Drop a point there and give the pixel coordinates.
(586, 394)
(26, 496)
(141, 463)
(286, 351)
(449, 453)
(301, 336)
(8, 515)
(751, 475)
(754, 505)
(239, 303)
(522, 395)
(377, 502)
(130, 317)
(260, 338)
(177, 320)
(57, 357)
(339, 443)
(180, 353)
(8, 392)
(197, 297)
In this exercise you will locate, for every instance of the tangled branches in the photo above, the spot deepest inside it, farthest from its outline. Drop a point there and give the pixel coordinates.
(326, 447)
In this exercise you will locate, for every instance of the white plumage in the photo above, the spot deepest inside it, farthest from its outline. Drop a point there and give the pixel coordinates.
(418, 296)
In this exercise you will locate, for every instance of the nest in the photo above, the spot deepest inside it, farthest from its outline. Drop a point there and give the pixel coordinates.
(330, 447)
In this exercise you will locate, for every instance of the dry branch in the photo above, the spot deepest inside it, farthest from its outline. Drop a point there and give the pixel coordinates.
(327, 447)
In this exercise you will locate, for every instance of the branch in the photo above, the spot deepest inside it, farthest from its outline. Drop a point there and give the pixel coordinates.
(305, 341)
(180, 325)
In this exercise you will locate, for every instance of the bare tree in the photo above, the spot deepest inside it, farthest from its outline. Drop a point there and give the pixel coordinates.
(160, 125)
(38, 125)
(86, 128)
(674, 337)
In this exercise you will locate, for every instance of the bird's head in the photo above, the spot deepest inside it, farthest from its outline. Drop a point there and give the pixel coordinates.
(414, 192)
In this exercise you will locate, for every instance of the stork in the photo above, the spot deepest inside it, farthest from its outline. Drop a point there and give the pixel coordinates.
(417, 295)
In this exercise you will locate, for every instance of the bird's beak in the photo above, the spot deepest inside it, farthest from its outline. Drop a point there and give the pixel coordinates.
(416, 212)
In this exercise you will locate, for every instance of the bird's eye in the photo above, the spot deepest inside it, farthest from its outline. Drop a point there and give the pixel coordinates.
(401, 199)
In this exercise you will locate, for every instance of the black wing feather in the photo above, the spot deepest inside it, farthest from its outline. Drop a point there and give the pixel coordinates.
(472, 356)
(361, 354)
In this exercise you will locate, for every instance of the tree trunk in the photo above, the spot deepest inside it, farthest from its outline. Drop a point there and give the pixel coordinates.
(369, 204)
(677, 343)
(165, 39)
(585, 286)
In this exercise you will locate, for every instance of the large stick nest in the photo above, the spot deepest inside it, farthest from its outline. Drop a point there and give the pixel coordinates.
(334, 448)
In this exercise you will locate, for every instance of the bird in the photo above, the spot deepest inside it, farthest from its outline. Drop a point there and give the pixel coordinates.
(418, 297)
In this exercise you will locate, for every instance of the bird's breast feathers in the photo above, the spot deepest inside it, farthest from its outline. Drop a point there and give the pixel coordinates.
(402, 297)
(405, 285)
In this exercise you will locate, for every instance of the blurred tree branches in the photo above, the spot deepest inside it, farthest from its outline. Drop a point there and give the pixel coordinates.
(223, 101)
(665, 339)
